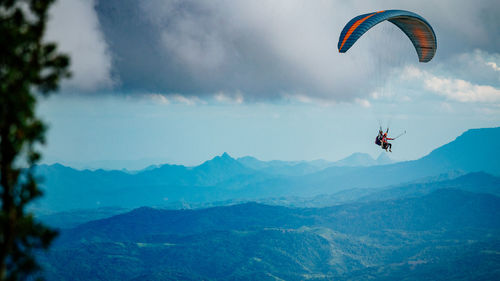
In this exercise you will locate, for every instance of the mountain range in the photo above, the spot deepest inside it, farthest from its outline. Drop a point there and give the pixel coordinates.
(435, 218)
(225, 178)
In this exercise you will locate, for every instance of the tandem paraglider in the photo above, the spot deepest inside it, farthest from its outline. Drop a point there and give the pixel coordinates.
(418, 30)
(382, 139)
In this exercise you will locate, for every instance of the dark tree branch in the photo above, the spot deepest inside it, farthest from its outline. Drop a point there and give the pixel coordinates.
(28, 65)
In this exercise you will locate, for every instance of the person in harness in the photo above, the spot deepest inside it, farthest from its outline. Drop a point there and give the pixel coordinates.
(382, 139)
(385, 144)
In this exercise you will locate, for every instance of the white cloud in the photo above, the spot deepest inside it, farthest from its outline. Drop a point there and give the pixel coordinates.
(462, 91)
(411, 72)
(322, 102)
(478, 66)
(383, 93)
(236, 98)
(74, 25)
(300, 98)
(188, 100)
(493, 65)
(159, 98)
(363, 102)
(166, 99)
(466, 77)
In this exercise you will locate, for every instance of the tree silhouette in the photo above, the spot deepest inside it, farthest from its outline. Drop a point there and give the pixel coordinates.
(29, 68)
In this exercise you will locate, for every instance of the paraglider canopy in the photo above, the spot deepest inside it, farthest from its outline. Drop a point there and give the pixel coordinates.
(414, 26)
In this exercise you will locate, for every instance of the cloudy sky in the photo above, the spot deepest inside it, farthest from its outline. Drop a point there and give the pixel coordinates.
(182, 81)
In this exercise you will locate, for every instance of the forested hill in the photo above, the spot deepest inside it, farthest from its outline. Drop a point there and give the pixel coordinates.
(447, 231)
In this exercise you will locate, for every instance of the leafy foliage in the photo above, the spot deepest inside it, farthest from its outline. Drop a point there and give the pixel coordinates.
(28, 66)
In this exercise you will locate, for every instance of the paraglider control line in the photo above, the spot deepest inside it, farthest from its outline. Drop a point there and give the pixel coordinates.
(400, 135)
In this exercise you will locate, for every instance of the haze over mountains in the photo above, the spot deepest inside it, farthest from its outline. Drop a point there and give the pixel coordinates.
(167, 182)
(225, 178)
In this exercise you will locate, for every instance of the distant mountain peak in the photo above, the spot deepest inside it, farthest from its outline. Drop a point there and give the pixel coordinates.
(224, 157)
(358, 155)
(357, 159)
(222, 162)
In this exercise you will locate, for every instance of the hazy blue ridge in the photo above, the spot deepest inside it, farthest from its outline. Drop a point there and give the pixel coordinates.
(441, 207)
(225, 178)
(477, 182)
(473, 182)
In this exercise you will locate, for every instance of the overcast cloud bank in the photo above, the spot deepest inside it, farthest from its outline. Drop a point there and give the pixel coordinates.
(265, 50)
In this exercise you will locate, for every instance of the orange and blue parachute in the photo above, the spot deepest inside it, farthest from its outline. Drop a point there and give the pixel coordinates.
(414, 26)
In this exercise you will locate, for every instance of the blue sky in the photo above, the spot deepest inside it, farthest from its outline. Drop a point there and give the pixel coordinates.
(182, 81)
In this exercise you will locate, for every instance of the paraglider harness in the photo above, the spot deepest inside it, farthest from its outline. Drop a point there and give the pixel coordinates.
(378, 139)
(385, 145)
